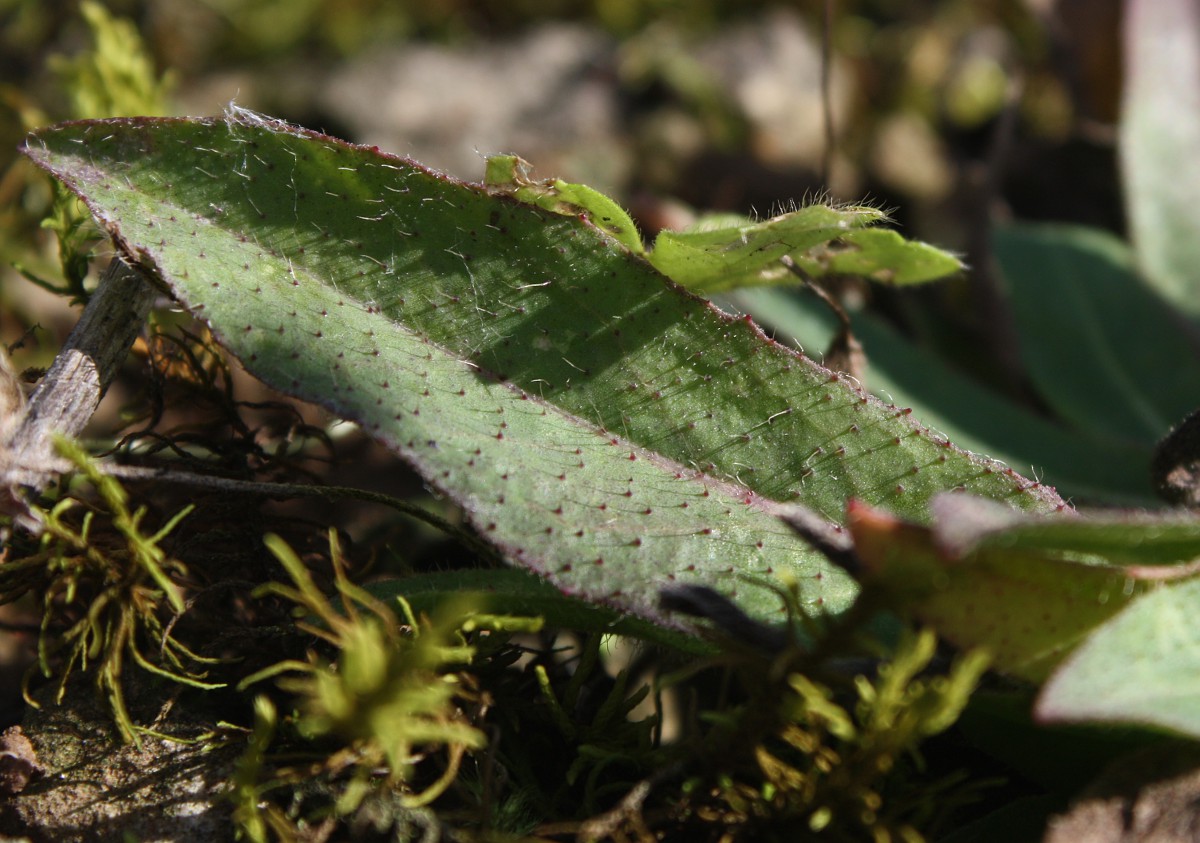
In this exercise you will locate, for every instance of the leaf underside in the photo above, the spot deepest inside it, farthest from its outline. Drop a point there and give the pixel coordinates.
(598, 424)
(1141, 667)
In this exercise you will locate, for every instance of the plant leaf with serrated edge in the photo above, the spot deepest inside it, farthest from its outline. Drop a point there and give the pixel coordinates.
(1028, 604)
(1143, 666)
(597, 424)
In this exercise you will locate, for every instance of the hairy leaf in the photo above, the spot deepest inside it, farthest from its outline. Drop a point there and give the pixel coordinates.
(596, 423)
(1078, 464)
(724, 253)
(727, 251)
(509, 175)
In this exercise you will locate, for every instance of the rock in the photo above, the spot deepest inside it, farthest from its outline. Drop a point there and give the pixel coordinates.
(94, 788)
(1152, 796)
(547, 95)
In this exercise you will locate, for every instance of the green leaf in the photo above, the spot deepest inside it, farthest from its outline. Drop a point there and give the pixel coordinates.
(598, 425)
(1028, 607)
(1103, 350)
(509, 175)
(1141, 667)
(880, 254)
(1124, 538)
(974, 417)
(723, 252)
(719, 255)
(1159, 142)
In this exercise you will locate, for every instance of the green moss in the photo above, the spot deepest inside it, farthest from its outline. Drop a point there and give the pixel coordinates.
(111, 597)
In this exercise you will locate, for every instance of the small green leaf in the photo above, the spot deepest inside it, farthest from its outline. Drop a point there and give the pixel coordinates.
(724, 252)
(1143, 666)
(509, 175)
(116, 76)
(880, 254)
(719, 254)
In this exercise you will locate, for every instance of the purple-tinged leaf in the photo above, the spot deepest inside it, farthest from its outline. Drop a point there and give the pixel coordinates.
(596, 423)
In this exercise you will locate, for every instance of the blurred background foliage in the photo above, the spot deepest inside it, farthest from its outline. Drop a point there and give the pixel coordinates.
(918, 87)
